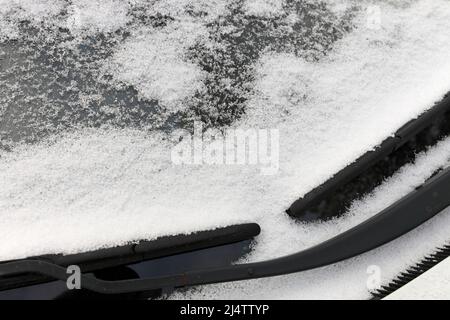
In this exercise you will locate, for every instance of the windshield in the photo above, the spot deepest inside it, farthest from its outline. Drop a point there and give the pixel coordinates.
(128, 120)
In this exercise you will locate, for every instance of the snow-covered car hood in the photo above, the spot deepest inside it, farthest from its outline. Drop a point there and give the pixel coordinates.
(94, 106)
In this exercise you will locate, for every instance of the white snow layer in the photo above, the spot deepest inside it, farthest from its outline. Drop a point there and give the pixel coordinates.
(96, 188)
(84, 17)
(152, 61)
(35, 11)
(95, 16)
(432, 285)
(263, 7)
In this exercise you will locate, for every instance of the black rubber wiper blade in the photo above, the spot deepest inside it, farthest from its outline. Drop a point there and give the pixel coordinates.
(313, 201)
(133, 253)
(391, 223)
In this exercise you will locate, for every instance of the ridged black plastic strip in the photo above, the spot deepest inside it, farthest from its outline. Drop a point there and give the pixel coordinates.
(396, 220)
(135, 252)
(412, 272)
(369, 159)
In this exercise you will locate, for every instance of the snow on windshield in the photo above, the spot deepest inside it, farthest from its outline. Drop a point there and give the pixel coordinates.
(96, 95)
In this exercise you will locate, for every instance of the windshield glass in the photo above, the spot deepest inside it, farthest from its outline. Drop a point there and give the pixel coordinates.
(126, 120)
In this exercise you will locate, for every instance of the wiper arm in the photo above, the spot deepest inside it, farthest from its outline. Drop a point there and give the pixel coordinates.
(391, 223)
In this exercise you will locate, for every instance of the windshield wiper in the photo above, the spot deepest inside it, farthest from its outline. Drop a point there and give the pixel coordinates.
(391, 223)
(332, 198)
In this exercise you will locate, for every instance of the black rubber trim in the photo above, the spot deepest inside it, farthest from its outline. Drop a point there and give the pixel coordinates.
(412, 273)
(369, 159)
(135, 252)
(391, 223)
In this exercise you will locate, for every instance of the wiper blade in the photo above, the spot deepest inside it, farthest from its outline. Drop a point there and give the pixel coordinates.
(391, 223)
(130, 254)
(314, 204)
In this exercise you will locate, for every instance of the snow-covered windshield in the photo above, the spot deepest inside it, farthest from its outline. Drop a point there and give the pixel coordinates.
(156, 65)
(116, 115)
